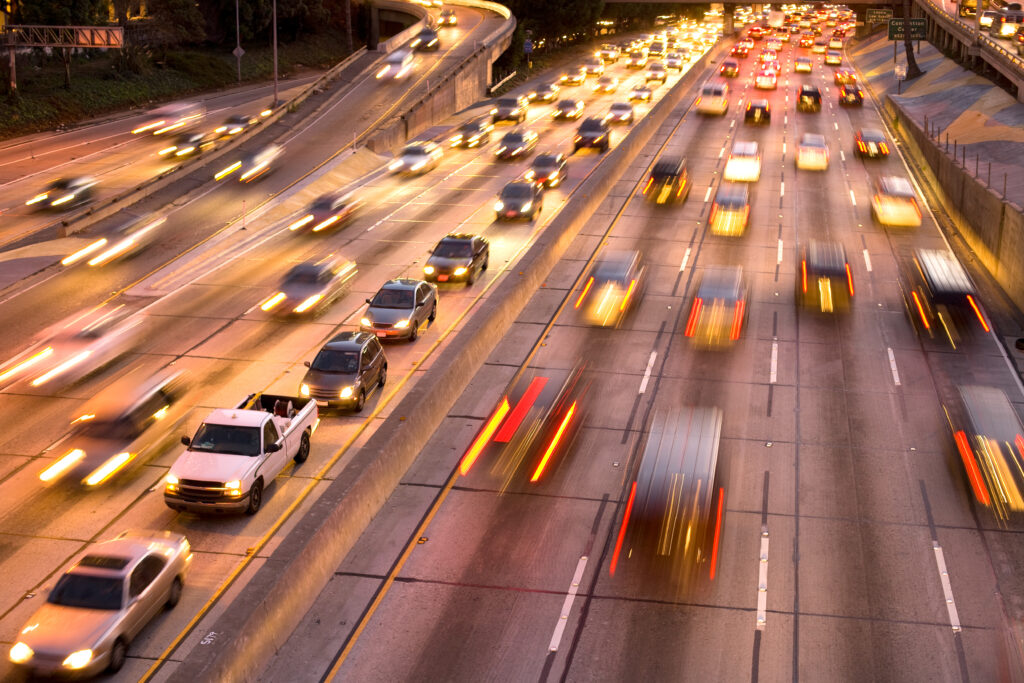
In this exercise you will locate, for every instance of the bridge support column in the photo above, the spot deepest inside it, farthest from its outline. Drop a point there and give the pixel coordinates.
(728, 19)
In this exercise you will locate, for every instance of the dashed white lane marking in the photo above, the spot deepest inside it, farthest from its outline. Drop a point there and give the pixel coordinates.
(892, 366)
(867, 260)
(721, 152)
(836, 125)
(563, 618)
(707, 195)
(762, 583)
(686, 257)
(842, 155)
(732, 123)
(853, 199)
(780, 252)
(773, 372)
(647, 372)
(947, 588)
(782, 188)
(783, 149)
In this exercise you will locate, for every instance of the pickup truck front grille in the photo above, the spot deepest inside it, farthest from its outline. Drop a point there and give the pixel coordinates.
(201, 491)
(201, 484)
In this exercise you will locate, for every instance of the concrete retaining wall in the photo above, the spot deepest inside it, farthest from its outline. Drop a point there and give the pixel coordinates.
(399, 39)
(271, 605)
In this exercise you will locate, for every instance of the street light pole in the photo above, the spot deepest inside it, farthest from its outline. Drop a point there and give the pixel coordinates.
(275, 52)
(238, 44)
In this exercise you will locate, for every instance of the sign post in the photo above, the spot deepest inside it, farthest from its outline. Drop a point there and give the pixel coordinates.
(528, 50)
(900, 71)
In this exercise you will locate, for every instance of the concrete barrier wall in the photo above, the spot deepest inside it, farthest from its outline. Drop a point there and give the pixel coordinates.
(267, 609)
(399, 39)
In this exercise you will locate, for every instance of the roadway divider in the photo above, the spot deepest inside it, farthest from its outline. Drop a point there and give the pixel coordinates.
(266, 610)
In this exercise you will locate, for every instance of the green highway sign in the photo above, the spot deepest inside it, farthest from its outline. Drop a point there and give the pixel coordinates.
(898, 29)
(877, 16)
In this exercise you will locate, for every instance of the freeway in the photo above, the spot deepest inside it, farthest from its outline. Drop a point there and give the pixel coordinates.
(850, 547)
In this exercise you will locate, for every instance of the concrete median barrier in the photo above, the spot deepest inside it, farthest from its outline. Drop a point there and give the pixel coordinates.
(266, 610)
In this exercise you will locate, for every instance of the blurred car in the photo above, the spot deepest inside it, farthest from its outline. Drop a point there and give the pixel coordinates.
(835, 43)
(65, 193)
(547, 92)
(739, 52)
(851, 94)
(833, 58)
(987, 432)
(172, 117)
(102, 602)
(758, 111)
(511, 108)
(674, 61)
(253, 165)
(574, 76)
(312, 286)
(458, 256)
(328, 210)
(940, 297)
(472, 133)
(637, 59)
(519, 199)
(812, 153)
(871, 143)
(347, 369)
(714, 98)
(640, 93)
(824, 281)
(621, 112)
(719, 310)
(594, 67)
(609, 53)
(567, 110)
(656, 49)
(895, 203)
(669, 181)
(808, 98)
(616, 281)
(730, 69)
(417, 158)
(803, 65)
(1018, 40)
(606, 84)
(806, 40)
(767, 56)
(766, 80)
(187, 144)
(593, 133)
(516, 145)
(730, 210)
(397, 66)
(656, 72)
(820, 47)
(127, 239)
(447, 17)
(235, 124)
(845, 75)
(744, 163)
(426, 40)
(129, 421)
(399, 308)
(755, 32)
(548, 170)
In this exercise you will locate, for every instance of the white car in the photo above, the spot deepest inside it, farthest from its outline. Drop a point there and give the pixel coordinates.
(803, 65)
(835, 44)
(834, 58)
(656, 72)
(895, 203)
(621, 112)
(417, 158)
(397, 66)
(744, 163)
(714, 99)
(674, 60)
(812, 153)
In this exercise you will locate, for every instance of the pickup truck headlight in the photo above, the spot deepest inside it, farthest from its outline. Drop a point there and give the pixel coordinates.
(78, 660)
(234, 487)
(171, 482)
(402, 324)
(346, 392)
(21, 653)
(304, 390)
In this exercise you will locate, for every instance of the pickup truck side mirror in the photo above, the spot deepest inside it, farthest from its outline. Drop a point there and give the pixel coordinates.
(187, 441)
(273, 447)
(306, 363)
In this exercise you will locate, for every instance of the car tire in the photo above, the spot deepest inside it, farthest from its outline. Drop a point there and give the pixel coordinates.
(433, 312)
(303, 452)
(255, 498)
(383, 378)
(118, 653)
(415, 333)
(471, 277)
(360, 402)
(487, 261)
(174, 596)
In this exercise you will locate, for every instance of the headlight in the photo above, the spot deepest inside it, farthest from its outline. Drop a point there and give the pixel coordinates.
(402, 324)
(494, 111)
(395, 165)
(461, 270)
(21, 653)
(429, 270)
(365, 322)
(498, 206)
(234, 487)
(304, 390)
(171, 481)
(77, 660)
(526, 207)
(346, 392)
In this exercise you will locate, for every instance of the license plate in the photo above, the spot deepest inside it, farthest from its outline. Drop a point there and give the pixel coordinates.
(382, 334)
(321, 403)
(442, 278)
(510, 214)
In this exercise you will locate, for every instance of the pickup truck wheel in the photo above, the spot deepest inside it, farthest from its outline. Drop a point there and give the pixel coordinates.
(118, 653)
(255, 498)
(303, 452)
(175, 594)
(360, 402)
(382, 380)
(487, 261)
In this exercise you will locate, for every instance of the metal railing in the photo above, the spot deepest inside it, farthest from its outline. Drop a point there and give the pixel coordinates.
(968, 34)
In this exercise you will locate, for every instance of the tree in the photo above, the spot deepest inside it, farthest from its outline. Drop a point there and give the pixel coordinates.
(913, 70)
(177, 21)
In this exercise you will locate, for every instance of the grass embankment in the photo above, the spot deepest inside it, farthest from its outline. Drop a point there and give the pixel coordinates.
(97, 88)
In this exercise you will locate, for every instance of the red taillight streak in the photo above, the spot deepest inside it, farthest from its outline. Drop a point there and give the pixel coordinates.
(1019, 442)
(971, 465)
(849, 278)
(977, 312)
(718, 532)
(885, 148)
(629, 293)
(586, 288)
(515, 418)
(554, 442)
(648, 185)
(803, 274)
(861, 146)
(622, 530)
(691, 324)
(737, 321)
(483, 437)
(920, 310)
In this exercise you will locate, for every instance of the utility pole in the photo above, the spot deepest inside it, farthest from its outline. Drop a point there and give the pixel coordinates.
(275, 53)
(238, 51)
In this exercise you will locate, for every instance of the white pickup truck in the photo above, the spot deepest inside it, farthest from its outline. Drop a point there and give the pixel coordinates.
(237, 452)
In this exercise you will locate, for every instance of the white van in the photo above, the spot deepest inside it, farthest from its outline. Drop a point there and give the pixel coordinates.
(714, 98)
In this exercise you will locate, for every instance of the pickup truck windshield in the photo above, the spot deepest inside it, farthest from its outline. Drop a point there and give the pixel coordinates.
(227, 439)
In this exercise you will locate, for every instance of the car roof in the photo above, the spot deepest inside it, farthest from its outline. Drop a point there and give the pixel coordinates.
(808, 88)
(401, 283)
(127, 392)
(744, 147)
(670, 165)
(457, 237)
(347, 341)
(616, 264)
(813, 139)
(942, 272)
(894, 185)
(829, 257)
(990, 412)
(722, 282)
(872, 134)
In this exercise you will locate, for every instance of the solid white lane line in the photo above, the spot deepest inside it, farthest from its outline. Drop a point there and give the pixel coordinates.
(853, 199)
(892, 366)
(762, 583)
(780, 252)
(867, 260)
(947, 588)
(707, 195)
(647, 372)
(686, 257)
(773, 373)
(563, 618)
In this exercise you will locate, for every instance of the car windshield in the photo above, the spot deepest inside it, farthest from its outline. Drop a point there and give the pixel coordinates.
(324, 204)
(621, 108)
(731, 199)
(303, 275)
(508, 102)
(470, 128)
(545, 161)
(592, 126)
(414, 151)
(512, 139)
(393, 298)
(87, 592)
(517, 191)
(872, 136)
(329, 360)
(454, 250)
(112, 429)
(228, 439)
(567, 104)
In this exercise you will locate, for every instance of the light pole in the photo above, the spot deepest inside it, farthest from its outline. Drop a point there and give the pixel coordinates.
(238, 44)
(275, 52)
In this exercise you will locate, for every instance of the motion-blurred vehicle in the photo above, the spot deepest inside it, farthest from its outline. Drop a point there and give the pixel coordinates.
(806, 40)
(606, 84)
(129, 421)
(766, 79)
(1006, 23)
(835, 43)
(65, 193)
(637, 59)
(574, 76)
(519, 199)
(744, 163)
(674, 61)
(567, 110)
(548, 170)
(171, 118)
(871, 143)
(516, 145)
(987, 432)
(593, 133)
(1018, 40)
(397, 65)
(714, 98)
(656, 72)
(594, 67)
(941, 299)
(640, 93)
(669, 181)
(808, 98)
(399, 308)
(457, 257)
(347, 369)
(767, 56)
(851, 94)
(609, 53)
(511, 108)
(845, 75)
(758, 111)
(188, 144)
(614, 285)
(730, 212)
(812, 153)
(330, 210)
(417, 158)
(755, 33)
(547, 92)
(825, 281)
(127, 239)
(235, 124)
(803, 65)
(719, 310)
(739, 52)
(237, 452)
(311, 287)
(252, 165)
(895, 203)
(656, 49)
(820, 47)
(472, 133)
(621, 112)
(833, 58)
(730, 69)
(447, 17)
(102, 602)
(426, 40)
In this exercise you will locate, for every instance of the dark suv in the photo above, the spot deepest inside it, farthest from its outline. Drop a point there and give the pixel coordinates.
(347, 368)
(593, 133)
(458, 256)
(809, 99)
(511, 108)
(669, 181)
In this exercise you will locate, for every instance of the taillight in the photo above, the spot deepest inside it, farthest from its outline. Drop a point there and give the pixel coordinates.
(861, 146)
(586, 288)
(691, 324)
(737, 321)
(629, 293)
(971, 465)
(648, 185)
(920, 309)
(484, 436)
(977, 312)
(803, 275)
(884, 147)
(849, 278)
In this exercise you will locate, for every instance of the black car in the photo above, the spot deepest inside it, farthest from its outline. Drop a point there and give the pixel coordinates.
(235, 124)
(188, 144)
(519, 199)
(546, 92)
(567, 110)
(593, 133)
(809, 98)
(458, 256)
(940, 297)
(824, 282)
(669, 181)
(516, 145)
(611, 290)
(871, 143)
(65, 193)
(512, 108)
(549, 169)
(730, 68)
(851, 94)
(426, 41)
(758, 111)
(472, 134)
(348, 368)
